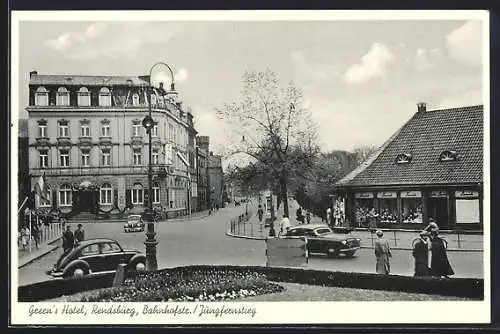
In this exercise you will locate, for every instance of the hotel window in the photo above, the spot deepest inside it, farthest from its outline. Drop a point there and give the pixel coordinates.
(85, 158)
(104, 97)
(64, 158)
(62, 98)
(137, 157)
(83, 97)
(105, 130)
(136, 130)
(137, 194)
(467, 207)
(45, 202)
(154, 131)
(106, 157)
(156, 193)
(65, 195)
(388, 207)
(63, 129)
(44, 159)
(42, 131)
(84, 130)
(41, 97)
(411, 206)
(106, 194)
(135, 99)
(154, 157)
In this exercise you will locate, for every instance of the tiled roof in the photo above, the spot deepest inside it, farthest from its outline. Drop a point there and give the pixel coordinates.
(84, 80)
(425, 136)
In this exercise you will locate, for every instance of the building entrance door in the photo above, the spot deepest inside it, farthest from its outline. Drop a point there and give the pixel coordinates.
(438, 210)
(86, 201)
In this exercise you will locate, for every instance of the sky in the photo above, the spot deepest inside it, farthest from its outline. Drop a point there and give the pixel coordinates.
(361, 79)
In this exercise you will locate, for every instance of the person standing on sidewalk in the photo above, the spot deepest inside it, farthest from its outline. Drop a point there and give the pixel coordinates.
(260, 213)
(68, 240)
(421, 254)
(440, 266)
(383, 254)
(79, 234)
(35, 230)
(308, 216)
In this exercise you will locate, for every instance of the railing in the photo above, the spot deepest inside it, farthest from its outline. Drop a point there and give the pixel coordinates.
(243, 226)
(47, 234)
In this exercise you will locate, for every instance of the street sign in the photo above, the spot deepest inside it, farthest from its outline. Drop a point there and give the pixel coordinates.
(286, 252)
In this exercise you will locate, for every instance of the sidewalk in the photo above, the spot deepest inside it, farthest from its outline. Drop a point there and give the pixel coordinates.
(401, 240)
(195, 215)
(25, 257)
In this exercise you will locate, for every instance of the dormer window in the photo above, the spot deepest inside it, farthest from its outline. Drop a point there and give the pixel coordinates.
(105, 97)
(448, 156)
(83, 97)
(41, 96)
(62, 97)
(403, 158)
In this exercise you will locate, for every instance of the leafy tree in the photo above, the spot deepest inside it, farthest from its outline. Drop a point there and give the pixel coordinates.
(275, 130)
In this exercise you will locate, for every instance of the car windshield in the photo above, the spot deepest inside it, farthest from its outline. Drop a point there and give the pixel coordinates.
(323, 230)
(134, 218)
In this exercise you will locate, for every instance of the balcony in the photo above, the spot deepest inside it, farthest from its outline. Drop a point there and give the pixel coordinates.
(105, 139)
(136, 140)
(85, 140)
(42, 141)
(64, 141)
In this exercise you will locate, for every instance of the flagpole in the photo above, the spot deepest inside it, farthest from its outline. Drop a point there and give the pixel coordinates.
(22, 205)
(30, 231)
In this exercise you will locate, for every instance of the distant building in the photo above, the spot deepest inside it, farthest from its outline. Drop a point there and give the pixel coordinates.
(86, 136)
(202, 151)
(215, 179)
(192, 159)
(430, 168)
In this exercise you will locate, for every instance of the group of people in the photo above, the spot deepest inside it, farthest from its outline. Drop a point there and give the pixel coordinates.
(302, 218)
(71, 239)
(26, 235)
(428, 239)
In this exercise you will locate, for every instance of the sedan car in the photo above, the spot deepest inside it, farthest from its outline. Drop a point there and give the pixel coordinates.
(96, 256)
(134, 224)
(321, 239)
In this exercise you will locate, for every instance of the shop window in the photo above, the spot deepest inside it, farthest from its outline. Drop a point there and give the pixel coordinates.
(364, 202)
(411, 207)
(467, 207)
(388, 207)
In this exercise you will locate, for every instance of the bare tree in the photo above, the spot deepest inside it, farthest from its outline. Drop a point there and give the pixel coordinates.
(363, 152)
(275, 130)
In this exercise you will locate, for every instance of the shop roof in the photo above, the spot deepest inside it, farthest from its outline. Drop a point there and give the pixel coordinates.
(424, 137)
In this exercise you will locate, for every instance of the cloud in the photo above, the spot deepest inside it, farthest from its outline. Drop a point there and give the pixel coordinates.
(113, 40)
(426, 60)
(304, 67)
(61, 43)
(465, 43)
(373, 65)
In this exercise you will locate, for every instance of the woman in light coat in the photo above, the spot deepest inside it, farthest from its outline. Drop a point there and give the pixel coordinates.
(383, 254)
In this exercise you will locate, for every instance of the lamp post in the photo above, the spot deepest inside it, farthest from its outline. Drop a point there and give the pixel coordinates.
(149, 123)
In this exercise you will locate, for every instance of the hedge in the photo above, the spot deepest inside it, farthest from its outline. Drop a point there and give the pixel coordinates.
(458, 287)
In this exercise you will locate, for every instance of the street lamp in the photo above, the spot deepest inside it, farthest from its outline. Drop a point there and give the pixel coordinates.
(148, 123)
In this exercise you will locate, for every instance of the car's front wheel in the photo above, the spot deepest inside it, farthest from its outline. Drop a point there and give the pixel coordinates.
(77, 272)
(332, 252)
(350, 253)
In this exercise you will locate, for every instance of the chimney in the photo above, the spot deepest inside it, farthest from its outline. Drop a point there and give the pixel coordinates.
(421, 107)
(33, 74)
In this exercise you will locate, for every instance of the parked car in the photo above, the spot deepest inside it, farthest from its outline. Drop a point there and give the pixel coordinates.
(321, 239)
(96, 256)
(134, 224)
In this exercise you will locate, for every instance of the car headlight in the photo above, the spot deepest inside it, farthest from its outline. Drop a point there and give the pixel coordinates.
(344, 242)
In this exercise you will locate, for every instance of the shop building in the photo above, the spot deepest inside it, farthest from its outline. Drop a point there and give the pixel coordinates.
(432, 167)
(86, 137)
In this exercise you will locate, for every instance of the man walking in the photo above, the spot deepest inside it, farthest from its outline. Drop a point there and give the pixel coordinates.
(260, 213)
(79, 234)
(68, 240)
(421, 255)
(383, 254)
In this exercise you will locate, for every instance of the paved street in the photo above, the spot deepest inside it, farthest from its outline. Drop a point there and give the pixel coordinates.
(203, 241)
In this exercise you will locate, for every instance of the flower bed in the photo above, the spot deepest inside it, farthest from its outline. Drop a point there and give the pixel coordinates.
(198, 285)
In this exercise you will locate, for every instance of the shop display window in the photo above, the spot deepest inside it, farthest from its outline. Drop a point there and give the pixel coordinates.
(411, 207)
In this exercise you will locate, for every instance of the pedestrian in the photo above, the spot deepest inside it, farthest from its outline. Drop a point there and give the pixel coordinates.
(372, 219)
(329, 216)
(36, 234)
(68, 240)
(432, 226)
(25, 236)
(421, 254)
(440, 266)
(285, 225)
(79, 234)
(383, 254)
(308, 217)
(299, 215)
(260, 213)
(272, 230)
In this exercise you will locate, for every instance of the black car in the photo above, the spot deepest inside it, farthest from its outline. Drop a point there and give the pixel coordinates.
(96, 256)
(322, 240)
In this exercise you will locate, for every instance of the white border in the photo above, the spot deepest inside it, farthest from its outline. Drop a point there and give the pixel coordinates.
(271, 313)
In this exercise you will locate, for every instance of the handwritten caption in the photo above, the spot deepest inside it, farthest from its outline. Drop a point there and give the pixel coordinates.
(199, 310)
